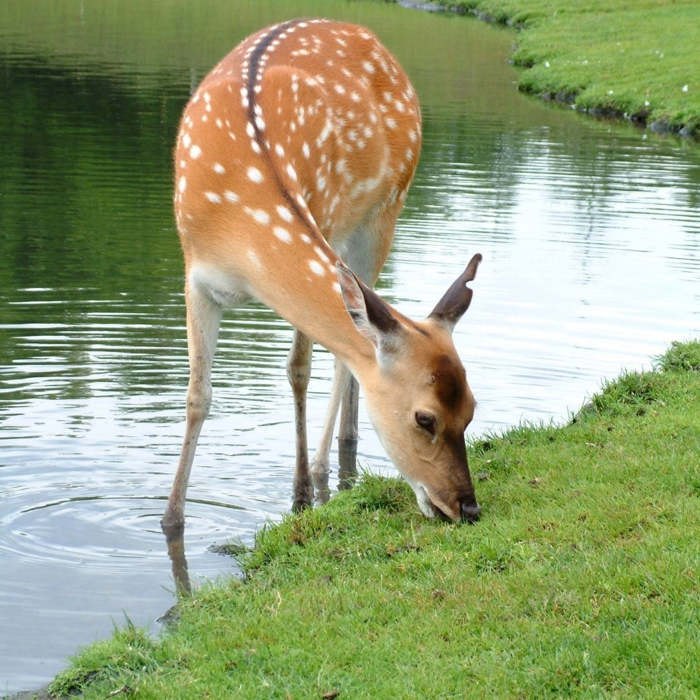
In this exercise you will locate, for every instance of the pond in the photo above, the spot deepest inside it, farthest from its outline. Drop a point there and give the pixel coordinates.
(589, 232)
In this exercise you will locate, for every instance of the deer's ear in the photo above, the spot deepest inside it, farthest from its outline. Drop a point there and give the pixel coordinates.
(457, 298)
(370, 314)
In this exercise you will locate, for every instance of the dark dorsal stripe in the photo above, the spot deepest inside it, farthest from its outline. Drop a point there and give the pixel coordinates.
(252, 81)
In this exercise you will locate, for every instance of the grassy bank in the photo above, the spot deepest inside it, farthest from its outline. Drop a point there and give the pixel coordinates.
(636, 59)
(581, 578)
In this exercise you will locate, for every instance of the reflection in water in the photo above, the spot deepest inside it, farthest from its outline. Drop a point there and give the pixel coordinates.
(590, 238)
(175, 541)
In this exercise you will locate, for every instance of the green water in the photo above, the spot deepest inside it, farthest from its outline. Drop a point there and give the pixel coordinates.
(589, 231)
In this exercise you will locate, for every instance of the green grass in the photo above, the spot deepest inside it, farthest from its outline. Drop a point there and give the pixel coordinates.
(581, 578)
(633, 58)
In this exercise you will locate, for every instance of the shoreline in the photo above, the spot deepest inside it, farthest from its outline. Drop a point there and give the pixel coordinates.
(574, 85)
(578, 574)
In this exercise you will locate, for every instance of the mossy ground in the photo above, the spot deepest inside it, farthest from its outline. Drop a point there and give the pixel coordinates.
(633, 58)
(580, 579)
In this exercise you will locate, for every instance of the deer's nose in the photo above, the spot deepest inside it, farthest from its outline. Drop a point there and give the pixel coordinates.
(470, 511)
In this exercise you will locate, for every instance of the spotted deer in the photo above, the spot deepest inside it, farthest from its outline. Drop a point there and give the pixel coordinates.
(292, 163)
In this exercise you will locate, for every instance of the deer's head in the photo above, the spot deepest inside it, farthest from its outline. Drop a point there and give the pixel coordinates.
(417, 393)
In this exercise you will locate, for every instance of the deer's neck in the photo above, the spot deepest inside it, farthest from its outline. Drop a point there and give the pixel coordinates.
(309, 297)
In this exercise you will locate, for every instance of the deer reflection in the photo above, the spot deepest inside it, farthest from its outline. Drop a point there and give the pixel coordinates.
(175, 540)
(347, 474)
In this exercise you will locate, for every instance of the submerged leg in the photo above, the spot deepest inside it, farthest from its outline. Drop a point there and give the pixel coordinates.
(299, 371)
(347, 436)
(203, 319)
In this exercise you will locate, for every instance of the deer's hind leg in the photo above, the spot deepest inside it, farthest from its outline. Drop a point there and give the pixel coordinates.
(321, 462)
(365, 251)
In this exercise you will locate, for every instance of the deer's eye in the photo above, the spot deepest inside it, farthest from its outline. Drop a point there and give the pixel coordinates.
(426, 421)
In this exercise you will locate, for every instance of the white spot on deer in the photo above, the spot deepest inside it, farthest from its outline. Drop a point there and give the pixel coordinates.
(182, 184)
(254, 174)
(260, 215)
(279, 150)
(291, 172)
(260, 123)
(250, 129)
(317, 268)
(213, 197)
(218, 168)
(336, 288)
(321, 254)
(305, 149)
(231, 196)
(186, 140)
(253, 257)
(369, 68)
(195, 152)
(390, 122)
(282, 234)
(324, 133)
(284, 213)
(255, 146)
(305, 238)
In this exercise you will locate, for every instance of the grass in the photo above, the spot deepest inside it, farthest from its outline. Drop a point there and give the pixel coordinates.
(636, 59)
(581, 578)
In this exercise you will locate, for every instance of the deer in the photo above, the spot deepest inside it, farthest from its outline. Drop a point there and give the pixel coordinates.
(292, 163)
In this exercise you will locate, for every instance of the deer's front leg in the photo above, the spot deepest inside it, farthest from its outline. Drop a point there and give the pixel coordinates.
(299, 371)
(203, 319)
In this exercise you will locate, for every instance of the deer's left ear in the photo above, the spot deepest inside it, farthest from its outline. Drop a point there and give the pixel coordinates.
(370, 314)
(457, 298)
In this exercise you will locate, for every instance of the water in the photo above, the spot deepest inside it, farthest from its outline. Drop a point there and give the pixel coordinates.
(589, 231)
